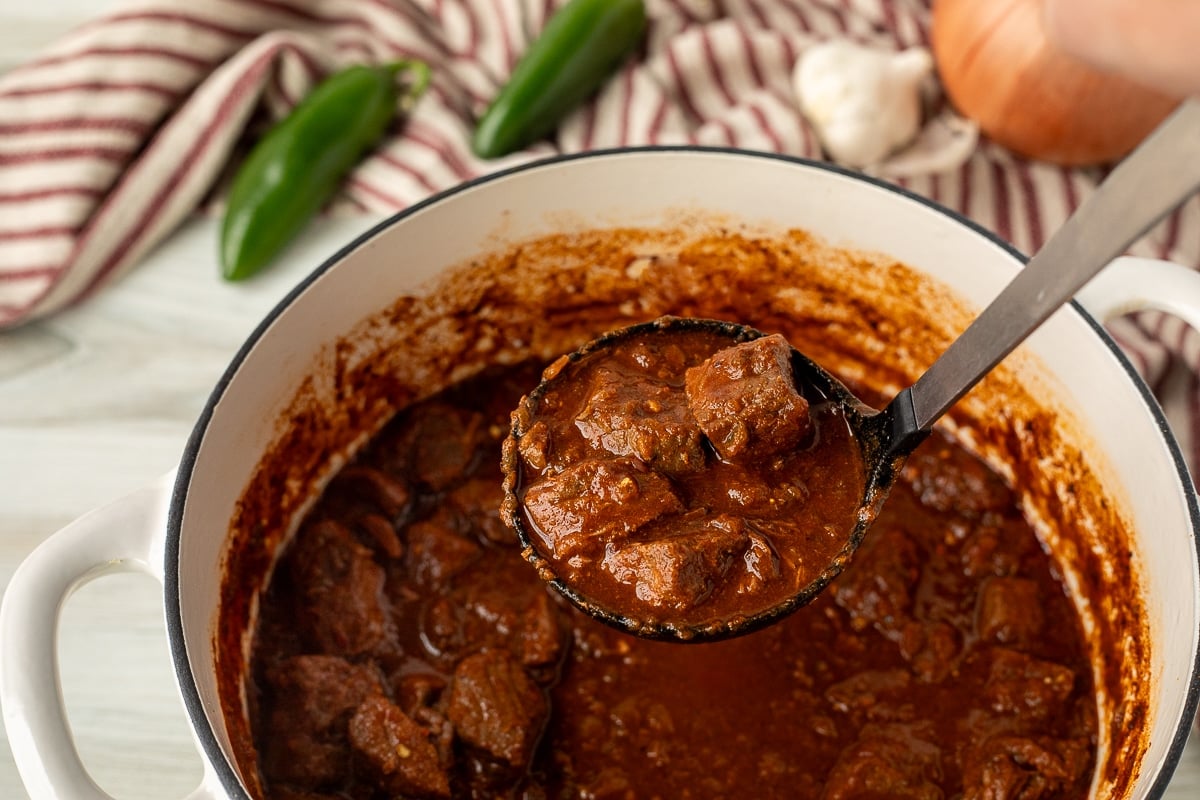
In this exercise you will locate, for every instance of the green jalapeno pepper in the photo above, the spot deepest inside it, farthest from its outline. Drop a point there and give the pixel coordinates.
(296, 167)
(580, 47)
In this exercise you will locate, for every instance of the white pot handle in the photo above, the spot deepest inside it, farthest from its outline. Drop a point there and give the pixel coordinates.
(125, 536)
(1138, 284)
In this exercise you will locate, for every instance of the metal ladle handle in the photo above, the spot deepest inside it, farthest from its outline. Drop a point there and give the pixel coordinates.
(1159, 175)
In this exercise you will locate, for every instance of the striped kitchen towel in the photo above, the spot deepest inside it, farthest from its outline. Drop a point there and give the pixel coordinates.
(130, 123)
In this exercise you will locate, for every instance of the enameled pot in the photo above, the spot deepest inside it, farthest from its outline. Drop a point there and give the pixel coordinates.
(1145, 635)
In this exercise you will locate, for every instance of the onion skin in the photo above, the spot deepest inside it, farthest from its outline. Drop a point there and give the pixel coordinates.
(1000, 70)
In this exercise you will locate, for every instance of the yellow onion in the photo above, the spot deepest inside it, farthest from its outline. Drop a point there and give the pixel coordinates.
(1000, 70)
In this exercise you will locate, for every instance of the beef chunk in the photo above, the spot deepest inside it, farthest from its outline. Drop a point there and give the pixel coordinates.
(897, 761)
(534, 446)
(440, 441)
(630, 417)
(540, 640)
(478, 501)
(1009, 611)
(496, 707)
(1018, 768)
(1025, 686)
(745, 400)
(597, 500)
(931, 649)
(500, 609)
(436, 552)
(389, 494)
(417, 689)
(379, 533)
(996, 547)
(397, 751)
(877, 588)
(862, 692)
(947, 478)
(680, 571)
(341, 589)
(314, 696)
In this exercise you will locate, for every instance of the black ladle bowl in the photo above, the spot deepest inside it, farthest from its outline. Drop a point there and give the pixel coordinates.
(1152, 181)
(883, 439)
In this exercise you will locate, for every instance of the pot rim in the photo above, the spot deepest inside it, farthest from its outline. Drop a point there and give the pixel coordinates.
(198, 714)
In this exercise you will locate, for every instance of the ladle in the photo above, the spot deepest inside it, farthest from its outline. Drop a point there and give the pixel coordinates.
(1148, 184)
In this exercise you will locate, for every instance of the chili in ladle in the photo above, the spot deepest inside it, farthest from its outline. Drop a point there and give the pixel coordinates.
(694, 479)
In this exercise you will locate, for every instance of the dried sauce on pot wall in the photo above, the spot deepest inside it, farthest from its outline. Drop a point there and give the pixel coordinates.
(404, 648)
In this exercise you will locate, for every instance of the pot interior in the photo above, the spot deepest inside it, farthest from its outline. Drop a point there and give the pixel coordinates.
(533, 262)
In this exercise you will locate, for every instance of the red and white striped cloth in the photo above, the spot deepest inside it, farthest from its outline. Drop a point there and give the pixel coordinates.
(129, 123)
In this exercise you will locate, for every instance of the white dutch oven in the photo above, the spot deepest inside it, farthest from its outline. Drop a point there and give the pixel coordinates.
(175, 530)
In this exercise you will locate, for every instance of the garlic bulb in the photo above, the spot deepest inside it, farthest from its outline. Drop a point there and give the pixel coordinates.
(864, 103)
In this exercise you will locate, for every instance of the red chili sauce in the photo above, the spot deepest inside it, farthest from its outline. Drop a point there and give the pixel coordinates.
(405, 649)
(674, 477)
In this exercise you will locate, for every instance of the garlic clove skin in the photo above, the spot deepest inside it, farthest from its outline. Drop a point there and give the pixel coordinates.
(864, 103)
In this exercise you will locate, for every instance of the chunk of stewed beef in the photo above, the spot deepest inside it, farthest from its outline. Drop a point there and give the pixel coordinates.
(436, 551)
(877, 588)
(478, 502)
(682, 570)
(391, 495)
(895, 761)
(746, 402)
(377, 532)
(1009, 611)
(597, 500)
(1006, 767)
(396, 751)
(492, 607)
(416, 690)
(341, 589)
(931, 649)
(996, 546)
(313, 698)
(625, 416)
(440, 442)
(860, 693)
(496, 707)
(1025, 686)
(947, 478)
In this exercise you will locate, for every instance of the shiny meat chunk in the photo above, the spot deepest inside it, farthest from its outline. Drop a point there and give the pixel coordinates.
(377, 532)
(895, 761)
(314, 696)
(478, 501)
(341, 588)
(877, 588)
(397, 751)
(485, 609)
(540, 639)
(931, 649)
(947, 478)
(441, 443)
(388, 493)
(417, 689)
(628, 416)
(745, 400)
(436, 552)
(496, 707)
(1009, 611)
(996, 548)
(595, 501)
(1026, 686)
(681, 570)
(862, 692)
(1020, 768)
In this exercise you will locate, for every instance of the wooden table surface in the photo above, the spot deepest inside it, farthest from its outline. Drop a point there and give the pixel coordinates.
(99, 401)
